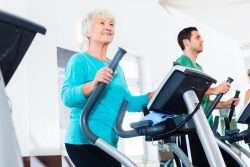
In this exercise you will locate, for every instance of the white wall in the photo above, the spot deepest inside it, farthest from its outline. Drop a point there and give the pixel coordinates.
(143, 28)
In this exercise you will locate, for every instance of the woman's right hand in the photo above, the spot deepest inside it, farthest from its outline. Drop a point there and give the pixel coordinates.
(104, 75)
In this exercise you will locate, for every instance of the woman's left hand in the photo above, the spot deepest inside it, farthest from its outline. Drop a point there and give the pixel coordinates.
(151, 94)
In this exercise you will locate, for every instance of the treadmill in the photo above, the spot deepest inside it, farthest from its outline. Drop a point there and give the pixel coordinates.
(16, 36)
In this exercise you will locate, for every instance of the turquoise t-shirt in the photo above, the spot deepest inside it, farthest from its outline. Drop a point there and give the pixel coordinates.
(186, 61)
(81, 69)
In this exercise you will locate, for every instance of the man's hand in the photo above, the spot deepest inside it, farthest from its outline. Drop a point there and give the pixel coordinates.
(228, 103)
(221, 88)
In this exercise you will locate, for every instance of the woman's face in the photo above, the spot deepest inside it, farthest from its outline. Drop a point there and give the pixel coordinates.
(101, 30)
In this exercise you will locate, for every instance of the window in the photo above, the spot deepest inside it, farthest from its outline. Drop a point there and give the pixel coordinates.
(132, 69)
(63, 56)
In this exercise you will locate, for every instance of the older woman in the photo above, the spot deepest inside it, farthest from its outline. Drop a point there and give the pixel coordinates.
(84, 70)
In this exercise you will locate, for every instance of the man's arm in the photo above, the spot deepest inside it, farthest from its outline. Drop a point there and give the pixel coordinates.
(221, 88)
(228, 103)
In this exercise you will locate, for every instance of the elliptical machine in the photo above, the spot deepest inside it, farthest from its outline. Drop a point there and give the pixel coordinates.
(167, 127)
(16, 36)
(230, 157)
(232, 136)
(179, 94)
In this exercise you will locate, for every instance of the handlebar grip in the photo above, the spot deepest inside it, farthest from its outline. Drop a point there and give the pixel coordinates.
(232, 109)
(95, 95)
(229, 80)
(217, 99)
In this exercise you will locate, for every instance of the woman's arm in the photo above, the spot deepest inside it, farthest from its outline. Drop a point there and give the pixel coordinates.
(135, 103)
(75, 79)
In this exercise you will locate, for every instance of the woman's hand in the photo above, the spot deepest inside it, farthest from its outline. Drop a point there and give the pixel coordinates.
(104, 75)
(151, 94)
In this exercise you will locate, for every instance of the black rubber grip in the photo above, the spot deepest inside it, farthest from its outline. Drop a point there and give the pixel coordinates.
(217, 99)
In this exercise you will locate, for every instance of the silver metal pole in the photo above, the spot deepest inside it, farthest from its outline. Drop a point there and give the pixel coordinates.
(188, 148)
(114, 153)
(242, 149)
(9, 150)
(203, 130)
(231, 153)
(180, 154)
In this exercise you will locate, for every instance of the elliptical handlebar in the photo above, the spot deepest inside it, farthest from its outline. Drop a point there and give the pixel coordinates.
(231, 112)
(217, 99)
(118, 126)
(232, 109)
(146, 130)
(237, 136)
(92, 100)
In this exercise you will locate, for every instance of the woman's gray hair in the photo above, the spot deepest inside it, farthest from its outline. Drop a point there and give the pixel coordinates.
(87, 21)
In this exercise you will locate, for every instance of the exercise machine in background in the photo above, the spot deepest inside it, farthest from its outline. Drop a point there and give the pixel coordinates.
(179, 94)
(16, 36)
(234, 135)
(176, 104)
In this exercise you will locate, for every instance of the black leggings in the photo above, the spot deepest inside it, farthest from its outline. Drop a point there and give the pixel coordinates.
(90, 156)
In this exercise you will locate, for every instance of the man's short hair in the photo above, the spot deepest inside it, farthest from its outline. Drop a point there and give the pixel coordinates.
(248, 72)
(185, 34)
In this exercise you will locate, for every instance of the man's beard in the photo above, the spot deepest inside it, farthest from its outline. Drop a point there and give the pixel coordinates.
(199, 50)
